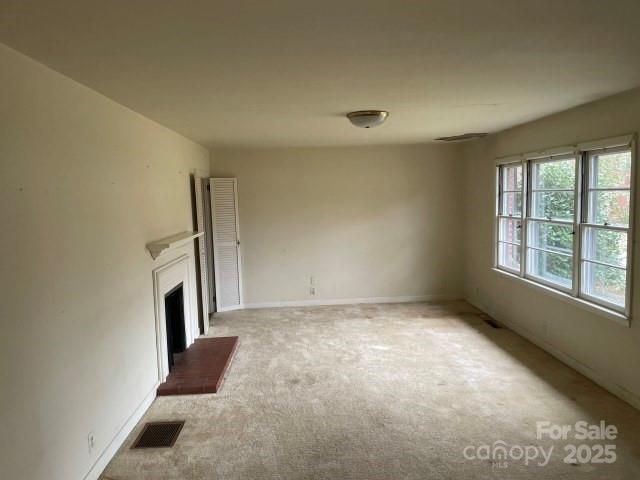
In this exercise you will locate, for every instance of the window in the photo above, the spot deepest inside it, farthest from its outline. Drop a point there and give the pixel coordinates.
(605, 228)
(564, 220)
(550, 222)
(510, 216)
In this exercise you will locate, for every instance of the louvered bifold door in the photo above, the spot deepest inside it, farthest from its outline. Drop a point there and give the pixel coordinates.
(226, 243)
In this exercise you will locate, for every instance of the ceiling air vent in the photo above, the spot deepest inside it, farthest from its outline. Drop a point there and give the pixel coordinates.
(464, 136)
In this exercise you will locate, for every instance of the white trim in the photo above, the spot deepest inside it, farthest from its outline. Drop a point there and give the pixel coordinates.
(507, 160)
(568, 360)
(240, 282)
(631, 235)
(116, 442)
(567, 297)
(353, 301)
(567, 150)
(231, 308)
(161, 246)
(612, 142)
(201, 251)
(165, 278)
(622, 141)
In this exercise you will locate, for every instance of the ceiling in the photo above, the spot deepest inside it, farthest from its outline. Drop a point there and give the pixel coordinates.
(284, 72)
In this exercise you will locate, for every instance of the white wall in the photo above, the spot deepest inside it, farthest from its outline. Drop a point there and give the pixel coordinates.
(606, 351)
(84, 184)
(365, 222)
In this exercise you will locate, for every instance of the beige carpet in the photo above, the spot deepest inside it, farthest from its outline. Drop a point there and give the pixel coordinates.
(378, 392)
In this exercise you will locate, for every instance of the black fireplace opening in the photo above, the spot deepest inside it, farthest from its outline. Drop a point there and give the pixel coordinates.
(174, 315)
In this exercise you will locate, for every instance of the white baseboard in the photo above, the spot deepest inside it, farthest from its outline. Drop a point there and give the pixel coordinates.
(617, 390)
(350, 301)
(115, 443)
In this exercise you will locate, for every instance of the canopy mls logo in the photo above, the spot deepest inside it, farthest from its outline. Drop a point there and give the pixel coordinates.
(599, 450)
(499, 454)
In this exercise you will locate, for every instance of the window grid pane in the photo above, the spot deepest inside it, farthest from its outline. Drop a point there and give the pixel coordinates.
(553, 189)
(512, 178)
(604, 282)
(610, 170)
(550, 252)
(510, 230)
(509, 255)
(511, 190)
(553, 237)
(553, 174)
(512, 204)
(609, 189)
(609, 207)
(553, 204)
(553, 268)
(604, 245)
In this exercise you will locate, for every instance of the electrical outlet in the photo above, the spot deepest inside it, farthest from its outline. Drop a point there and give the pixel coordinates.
(91, 441)
(312, 290)
(312, 280)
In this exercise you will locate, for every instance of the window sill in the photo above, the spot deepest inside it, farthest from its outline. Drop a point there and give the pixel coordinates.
(585, 305)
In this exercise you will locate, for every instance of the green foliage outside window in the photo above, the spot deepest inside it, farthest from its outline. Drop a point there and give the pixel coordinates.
(550, 228)
(554, 204)
(610, 207)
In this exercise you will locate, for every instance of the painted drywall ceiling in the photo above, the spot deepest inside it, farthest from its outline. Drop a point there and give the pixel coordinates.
(267, 73)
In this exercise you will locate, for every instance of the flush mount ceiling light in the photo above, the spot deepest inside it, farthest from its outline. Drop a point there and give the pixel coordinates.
(367, 118)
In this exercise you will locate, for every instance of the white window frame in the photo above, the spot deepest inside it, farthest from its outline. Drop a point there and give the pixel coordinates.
(500, 215)
(582, 154)
(584, 224)
(530, 219)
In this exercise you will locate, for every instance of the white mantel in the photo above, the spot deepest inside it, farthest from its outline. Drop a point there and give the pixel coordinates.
(160, 246)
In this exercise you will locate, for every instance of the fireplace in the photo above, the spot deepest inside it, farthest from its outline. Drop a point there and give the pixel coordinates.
(174, 317)
(176, 325)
